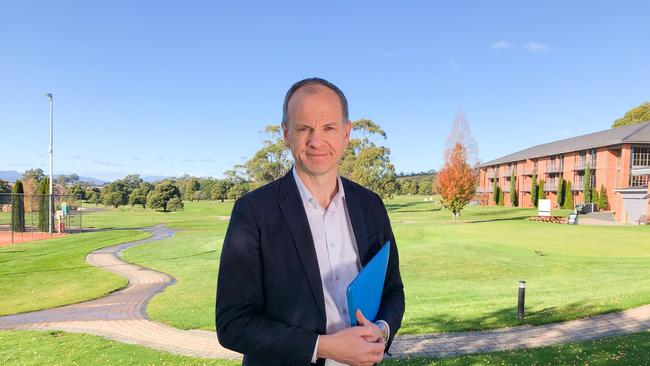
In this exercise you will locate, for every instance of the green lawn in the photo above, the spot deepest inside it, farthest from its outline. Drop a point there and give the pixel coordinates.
(59, 348)
(459, 276)
(49, 273)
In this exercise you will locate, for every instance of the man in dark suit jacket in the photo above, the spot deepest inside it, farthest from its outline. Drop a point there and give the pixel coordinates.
(274, 301)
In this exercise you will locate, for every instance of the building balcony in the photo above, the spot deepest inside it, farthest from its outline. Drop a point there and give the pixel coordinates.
(553, 169)
(506, 189)
(525, 188)
(483, 190)
(581, 166)
(507, 173)
(527, 172)
(640, 170)
(550, 187)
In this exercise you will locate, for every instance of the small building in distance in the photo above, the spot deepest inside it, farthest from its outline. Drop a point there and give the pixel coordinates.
(618, 158)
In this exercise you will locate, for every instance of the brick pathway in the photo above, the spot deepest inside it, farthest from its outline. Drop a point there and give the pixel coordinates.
(122, 316)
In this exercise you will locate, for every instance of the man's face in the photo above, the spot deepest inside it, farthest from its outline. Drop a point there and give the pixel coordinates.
(316, 132)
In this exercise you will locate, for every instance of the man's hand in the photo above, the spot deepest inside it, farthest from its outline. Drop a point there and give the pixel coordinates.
(362, 321)
(358, 346)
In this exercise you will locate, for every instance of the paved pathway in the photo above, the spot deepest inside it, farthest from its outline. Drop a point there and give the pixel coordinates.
(122, 316)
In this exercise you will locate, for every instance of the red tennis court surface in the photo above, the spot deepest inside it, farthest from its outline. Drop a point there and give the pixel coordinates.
(5, 237)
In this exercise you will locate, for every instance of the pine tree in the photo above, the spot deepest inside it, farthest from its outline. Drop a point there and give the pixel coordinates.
(568, 196)
(594, 196)
(513, 190)
(501, 199)
(43, 204)
(533, 189)
(602, 201)
(495, 192)
(560, 192)
(541, 195)
(586, 185)
(18, 208)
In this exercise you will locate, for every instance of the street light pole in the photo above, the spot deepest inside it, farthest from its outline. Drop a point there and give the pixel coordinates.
(49, 97)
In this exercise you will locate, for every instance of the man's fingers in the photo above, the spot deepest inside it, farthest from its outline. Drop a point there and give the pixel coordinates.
(360, 318)
(365, 331)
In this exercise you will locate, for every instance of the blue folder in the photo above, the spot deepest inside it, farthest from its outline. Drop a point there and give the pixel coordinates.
(364, 292)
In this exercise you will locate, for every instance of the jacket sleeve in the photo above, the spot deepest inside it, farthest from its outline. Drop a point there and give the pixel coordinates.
(241, 325)
(392, 299)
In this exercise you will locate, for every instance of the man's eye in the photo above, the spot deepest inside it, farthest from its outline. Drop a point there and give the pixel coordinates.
(302, 129)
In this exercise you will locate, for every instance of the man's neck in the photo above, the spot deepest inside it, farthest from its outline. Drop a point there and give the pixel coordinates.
(323, 187)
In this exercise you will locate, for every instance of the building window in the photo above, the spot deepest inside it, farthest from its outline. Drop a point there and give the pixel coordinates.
(640, 156)
(593, 158)
(579, 181)
(581, 159)
(639, 180)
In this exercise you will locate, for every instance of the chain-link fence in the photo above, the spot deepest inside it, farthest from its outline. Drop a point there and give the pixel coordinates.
(27, 217)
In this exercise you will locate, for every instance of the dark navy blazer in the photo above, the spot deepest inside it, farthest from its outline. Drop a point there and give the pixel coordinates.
(270, 303)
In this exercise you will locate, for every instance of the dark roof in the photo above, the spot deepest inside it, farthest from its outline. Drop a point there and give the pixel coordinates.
(638, 133)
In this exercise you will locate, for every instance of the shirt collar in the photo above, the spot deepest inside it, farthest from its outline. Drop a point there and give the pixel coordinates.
(307, 197)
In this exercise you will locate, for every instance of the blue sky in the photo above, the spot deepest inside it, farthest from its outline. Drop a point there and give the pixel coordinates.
(167, 88)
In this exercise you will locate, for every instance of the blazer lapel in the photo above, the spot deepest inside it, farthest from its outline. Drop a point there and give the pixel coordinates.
(294, 214)
(355, 210)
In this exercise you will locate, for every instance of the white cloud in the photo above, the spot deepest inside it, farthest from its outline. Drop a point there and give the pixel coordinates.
(536, 47)
(501, 45)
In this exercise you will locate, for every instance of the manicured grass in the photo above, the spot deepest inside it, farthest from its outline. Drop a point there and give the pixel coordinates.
(459, 276)
(193, 259)
(464, 276)
(59, 348)
(196, 215)
(49, 273)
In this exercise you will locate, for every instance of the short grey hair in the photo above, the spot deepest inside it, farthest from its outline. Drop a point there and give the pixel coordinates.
(309, 82)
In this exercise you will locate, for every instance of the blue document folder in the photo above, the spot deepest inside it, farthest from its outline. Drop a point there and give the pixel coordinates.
(364, 292)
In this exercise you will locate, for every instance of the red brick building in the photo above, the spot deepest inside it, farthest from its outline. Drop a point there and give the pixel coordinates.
(618, 158)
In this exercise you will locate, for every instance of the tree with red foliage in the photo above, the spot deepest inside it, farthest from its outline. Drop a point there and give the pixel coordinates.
(457, 181)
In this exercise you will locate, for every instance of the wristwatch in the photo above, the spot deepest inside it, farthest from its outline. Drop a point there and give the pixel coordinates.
(383, 327)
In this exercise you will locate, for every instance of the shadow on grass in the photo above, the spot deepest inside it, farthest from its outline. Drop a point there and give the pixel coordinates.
(516, 218)
(399, 207)
(506, 317)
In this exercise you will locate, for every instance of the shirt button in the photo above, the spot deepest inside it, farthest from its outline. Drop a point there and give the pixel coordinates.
(337, 278)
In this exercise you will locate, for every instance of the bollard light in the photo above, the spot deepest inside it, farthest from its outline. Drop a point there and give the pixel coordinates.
(520, 299)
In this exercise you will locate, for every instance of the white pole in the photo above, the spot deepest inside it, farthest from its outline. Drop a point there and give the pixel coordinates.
(49, 97)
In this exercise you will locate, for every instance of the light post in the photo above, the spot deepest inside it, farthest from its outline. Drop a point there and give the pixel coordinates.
(49, 215)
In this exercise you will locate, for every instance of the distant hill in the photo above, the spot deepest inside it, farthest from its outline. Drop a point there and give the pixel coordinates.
(12, 175)
(417, 176)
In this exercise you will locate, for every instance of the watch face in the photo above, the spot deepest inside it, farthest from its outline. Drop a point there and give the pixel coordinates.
(384, 331)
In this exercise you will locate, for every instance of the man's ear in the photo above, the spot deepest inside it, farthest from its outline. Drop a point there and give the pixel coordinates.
(348, 130)
(285, 135)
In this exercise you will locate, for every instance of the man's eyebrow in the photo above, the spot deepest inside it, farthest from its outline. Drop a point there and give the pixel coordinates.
(301, 124)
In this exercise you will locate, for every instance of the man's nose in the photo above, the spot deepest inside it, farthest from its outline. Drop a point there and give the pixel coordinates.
(316, 138)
